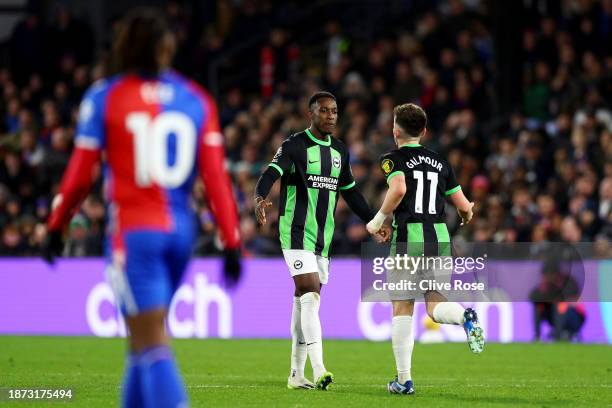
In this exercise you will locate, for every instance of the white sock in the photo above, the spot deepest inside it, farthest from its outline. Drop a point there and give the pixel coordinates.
(311, 328)
(298, 345)
(448, 312)
(402, 341)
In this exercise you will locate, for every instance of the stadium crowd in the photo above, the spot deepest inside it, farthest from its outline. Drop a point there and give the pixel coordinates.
(542, 171)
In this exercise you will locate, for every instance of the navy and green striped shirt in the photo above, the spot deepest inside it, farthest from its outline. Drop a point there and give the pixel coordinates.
(312, 173)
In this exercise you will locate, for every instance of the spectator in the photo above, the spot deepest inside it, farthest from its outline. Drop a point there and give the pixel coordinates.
(12, 241)
(554, 301)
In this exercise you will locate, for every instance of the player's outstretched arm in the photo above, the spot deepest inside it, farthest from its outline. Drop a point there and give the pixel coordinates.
(463, 205)
(262, 189)
(393, 197)
(281, 162)
(358, 204)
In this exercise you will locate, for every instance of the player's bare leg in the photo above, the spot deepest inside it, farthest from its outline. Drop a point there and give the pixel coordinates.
(147, 330)
(444, 312)
(308, 287)
(402, 341)
(154, 366)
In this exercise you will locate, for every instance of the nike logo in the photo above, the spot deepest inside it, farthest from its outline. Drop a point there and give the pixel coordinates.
(301, 342)
(312, 161)
(310, 344)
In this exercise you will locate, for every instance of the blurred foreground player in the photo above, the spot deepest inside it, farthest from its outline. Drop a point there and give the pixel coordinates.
(313, 167)
(419, 181)
(154, 129)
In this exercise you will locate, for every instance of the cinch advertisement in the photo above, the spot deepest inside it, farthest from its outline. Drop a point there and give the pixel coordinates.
(74, 298)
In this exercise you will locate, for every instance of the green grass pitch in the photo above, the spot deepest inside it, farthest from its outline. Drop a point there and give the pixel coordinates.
(253, 373)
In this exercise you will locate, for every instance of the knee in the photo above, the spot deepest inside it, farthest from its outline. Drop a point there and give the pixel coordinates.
(310, 303)
(305, 287)
(310, 297)
(147, 330)
(403, 308)
(140, 341)
(430, 308)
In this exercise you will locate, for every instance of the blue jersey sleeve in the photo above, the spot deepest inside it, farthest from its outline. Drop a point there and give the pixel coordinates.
(90, 127)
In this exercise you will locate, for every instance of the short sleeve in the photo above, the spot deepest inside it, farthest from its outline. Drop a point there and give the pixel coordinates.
(390, 165)
(283, 159)
(346, 174)
(451, 182)
(90, 124)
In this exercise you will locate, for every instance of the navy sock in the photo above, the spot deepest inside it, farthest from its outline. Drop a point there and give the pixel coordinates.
(162, 385)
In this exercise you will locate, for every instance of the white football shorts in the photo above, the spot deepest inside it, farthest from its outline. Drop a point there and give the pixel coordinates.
(300, 262)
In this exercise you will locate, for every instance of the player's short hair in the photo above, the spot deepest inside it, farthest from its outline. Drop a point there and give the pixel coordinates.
(138, 38)
(411, 118)
(319, 95)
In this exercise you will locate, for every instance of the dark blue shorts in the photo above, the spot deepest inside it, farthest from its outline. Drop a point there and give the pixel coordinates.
(151, 268)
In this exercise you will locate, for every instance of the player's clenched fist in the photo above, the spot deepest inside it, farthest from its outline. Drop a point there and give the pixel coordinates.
(383, 234)
(379, 231)
(260, 209)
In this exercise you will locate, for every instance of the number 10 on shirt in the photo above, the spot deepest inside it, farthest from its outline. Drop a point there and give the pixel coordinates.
(151, 136)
